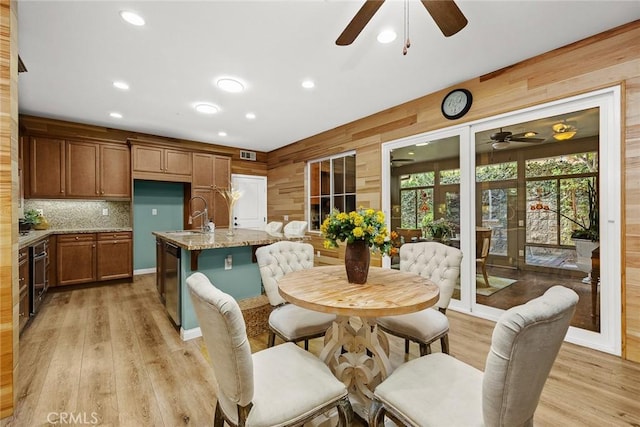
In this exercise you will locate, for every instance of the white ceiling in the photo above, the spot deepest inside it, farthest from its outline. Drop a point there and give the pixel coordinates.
(74, 50)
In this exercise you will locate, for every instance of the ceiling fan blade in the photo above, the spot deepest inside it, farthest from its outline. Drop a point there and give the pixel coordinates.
(447, 15)
(526, 139)
(358, 22)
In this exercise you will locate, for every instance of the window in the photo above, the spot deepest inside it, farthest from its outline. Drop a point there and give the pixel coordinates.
(332, 185)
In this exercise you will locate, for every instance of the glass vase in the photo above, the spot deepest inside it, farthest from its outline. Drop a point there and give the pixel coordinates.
(231, 229)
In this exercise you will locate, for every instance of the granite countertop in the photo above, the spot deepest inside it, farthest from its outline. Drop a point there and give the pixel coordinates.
(195, 240)
(35, 235)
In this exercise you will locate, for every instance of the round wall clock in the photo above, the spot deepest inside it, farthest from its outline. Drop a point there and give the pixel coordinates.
(456, 103)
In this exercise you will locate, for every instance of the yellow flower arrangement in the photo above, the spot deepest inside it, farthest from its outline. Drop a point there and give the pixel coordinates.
(362, 224)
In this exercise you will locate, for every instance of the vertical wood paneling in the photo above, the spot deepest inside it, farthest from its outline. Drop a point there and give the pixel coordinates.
(8, 209)
(604, 60)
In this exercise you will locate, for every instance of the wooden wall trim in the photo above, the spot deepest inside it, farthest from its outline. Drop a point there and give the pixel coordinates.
(8, 210)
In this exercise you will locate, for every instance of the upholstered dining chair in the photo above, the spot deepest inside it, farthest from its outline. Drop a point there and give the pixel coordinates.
(439, 390)
(440, 264)
(273, 227)
(279, 386)
(483, 245)
(290, 322)
(295, 229)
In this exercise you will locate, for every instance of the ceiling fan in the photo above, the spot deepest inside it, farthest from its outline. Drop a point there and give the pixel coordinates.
(445, 13)
(501, 140)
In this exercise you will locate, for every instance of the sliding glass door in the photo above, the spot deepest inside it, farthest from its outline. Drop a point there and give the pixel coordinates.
(533, 199)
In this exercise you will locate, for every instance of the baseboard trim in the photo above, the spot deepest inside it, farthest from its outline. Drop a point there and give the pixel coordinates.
(144, 271)
(189, 334)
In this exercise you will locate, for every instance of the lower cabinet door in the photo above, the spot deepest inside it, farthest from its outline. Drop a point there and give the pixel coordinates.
(115, 254)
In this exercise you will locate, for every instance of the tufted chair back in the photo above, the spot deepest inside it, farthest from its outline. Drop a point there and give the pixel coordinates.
(225, 336)
(273, 227)
(277, 259)
(435, 261)
(295, 228)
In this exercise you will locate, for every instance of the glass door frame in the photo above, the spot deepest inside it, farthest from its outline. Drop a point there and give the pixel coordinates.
(608, 100)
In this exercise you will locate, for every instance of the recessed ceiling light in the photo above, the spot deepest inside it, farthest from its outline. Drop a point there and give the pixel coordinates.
(116, 115)
(132, 18)
(308, 84)
(422, 144)
(222, 133)
(387, 36)
(121, 85)
(250, 116)
(230, 85)
(206, 108)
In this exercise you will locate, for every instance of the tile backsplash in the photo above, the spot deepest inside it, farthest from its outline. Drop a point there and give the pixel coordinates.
(78, 214)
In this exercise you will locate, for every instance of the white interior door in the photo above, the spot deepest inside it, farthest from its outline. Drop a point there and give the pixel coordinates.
(250, 211)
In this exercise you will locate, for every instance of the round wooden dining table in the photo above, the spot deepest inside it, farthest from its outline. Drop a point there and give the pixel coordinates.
(356, 352)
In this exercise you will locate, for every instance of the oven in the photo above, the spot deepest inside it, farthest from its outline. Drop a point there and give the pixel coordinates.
(39, 273)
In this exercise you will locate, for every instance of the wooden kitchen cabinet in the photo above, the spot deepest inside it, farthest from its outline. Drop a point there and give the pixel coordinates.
(82, 165)
(76, 259)
(46, 167)
(115, 171)
(161, 163)
(23, 286)
(97, 170)
(209, 171)
(78, 169)
(115, 254)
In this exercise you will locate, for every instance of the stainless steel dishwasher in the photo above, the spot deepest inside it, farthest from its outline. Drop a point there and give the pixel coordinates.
(172, 282)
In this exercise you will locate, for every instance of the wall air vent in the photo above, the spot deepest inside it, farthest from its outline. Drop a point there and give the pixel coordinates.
(248, 155)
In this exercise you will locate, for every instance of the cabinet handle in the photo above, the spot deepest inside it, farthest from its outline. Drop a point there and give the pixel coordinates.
(93, 246)
(77, 238)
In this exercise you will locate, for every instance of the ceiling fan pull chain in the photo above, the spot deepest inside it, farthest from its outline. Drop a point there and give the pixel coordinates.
(407, 43)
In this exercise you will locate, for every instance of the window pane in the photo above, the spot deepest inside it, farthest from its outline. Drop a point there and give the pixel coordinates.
(408, 209)
(338, 176)
(542, 221)
(350, 174)
(350, 201)
(338, 203)
(418, 180)
(497, 172)
(314, 176)
(568, 164)
(451, 176)
(425, 206)
(325, 178)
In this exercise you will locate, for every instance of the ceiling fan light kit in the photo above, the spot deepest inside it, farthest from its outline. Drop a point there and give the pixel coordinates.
(563, 136)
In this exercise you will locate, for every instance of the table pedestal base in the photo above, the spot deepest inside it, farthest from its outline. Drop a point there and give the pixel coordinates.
(358, 355)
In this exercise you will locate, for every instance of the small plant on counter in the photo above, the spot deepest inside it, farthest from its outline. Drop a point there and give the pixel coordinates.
(31, 217)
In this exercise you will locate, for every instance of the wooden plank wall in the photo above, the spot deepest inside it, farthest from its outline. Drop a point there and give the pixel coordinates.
(607, 59)
(8, 209)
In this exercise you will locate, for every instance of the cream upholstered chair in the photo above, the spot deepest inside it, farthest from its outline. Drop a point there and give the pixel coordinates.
(274, 227)
(295, 229)
(440, 264)
(439, 390)
(288, 321)
(279, 386)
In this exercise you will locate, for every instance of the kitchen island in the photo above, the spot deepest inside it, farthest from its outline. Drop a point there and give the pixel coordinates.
(228, 261)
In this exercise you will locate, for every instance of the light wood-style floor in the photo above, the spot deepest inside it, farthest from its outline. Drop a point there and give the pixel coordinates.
(108, 355)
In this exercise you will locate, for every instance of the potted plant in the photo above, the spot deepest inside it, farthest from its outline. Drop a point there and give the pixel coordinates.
(587, 236)
(440, 229)
(30, 218)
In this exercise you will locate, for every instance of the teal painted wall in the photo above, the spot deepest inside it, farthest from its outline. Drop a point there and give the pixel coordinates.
(242, 281)
(168, 199)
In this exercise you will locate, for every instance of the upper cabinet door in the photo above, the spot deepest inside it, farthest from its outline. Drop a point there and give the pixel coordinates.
(148, 158)
(46, 167)
(177, 162)
(115, 171)
(202, 170)
(82, 164)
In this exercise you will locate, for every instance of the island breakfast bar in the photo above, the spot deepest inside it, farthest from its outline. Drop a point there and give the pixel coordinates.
(228, 261)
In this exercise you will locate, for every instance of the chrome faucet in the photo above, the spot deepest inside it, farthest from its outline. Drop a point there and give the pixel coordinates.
(199, 214)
